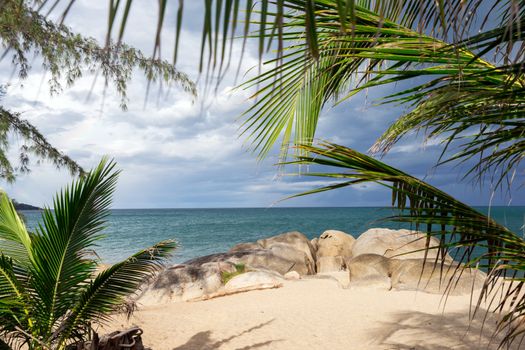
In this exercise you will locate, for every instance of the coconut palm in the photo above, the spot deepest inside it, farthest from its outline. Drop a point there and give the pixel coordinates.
(467, 90)
(469, 236)
(49, 294)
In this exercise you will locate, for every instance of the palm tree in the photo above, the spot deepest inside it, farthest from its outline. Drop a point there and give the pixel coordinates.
(49, 294)
(472, 97)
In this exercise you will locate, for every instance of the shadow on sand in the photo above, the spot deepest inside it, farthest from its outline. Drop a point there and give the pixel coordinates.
(421, 331)
(204, 341)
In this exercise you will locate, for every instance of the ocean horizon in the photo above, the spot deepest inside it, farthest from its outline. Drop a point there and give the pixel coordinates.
(203, 231)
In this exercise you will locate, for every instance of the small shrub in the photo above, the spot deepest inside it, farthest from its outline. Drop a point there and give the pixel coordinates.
(226, 276)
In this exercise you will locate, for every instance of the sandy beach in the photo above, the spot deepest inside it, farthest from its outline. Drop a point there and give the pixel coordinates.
(314, 314)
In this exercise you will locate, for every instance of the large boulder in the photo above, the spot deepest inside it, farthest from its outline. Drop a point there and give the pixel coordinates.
(255, 259)
(282, 246)
(373, 270)
(334, 250)
(286, 252)
(399, 244)
(331, 264)
(412, 274)
(244, 246)
(314, 242)
(253, 280)
(185, 282)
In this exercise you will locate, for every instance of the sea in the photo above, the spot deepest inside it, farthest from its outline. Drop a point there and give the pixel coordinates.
(201, 232)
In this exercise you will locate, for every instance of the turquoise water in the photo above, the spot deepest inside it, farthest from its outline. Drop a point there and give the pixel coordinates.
(206, 231)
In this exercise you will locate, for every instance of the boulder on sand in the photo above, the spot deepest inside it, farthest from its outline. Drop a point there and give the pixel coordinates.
(371, 270)
(282, 246)
(253, 280)
(185, 282)
(413, 274)
(330, 264)
(399, 244)
(286, 252)
(334, 250)
(314, 242)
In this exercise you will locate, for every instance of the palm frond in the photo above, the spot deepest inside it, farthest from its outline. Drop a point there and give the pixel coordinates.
(453, 21)
(15, 241)
(346, 62)
(14, 299)
(111, 287)
(469, 236)
(61, 253)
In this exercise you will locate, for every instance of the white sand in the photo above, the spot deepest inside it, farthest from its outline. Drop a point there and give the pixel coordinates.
(313, 314)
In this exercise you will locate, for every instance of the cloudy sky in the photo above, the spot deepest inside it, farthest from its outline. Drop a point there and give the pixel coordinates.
(176, 154)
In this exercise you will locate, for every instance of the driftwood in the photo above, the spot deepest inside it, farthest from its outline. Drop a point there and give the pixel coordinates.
(129, 339)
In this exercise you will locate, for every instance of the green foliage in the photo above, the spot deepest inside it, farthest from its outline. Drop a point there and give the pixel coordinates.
(48, 295)
(471, 96)
(469, 236)
(226, 276)
(34, 144)
(325, 49)
(66, 56)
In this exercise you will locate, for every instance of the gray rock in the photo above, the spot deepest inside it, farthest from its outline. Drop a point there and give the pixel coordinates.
(304, 262)
(330, 264)
(292, 275)
(334, 250)
(185, 282)
(283, 253)
(399, 244)
(372, 270)
(415, 274)
(244, 246)
(253, 280)
(314, 242)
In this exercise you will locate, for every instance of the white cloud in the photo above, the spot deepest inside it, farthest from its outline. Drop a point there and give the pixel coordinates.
(176, 153)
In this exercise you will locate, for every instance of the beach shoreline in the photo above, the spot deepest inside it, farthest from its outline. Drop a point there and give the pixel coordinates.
(333, 292)
(314, 313)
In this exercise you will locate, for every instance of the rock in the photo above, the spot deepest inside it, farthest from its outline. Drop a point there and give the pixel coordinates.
(330, 264)
(292, 275)
(395, 243)
(374, 270)
(314, 242)
(253, 280)
(371, 270)
(282, 246)
(334, 250)
(244, 246)
(185, 282)
(416, 274)
(286, 252)
(279, 258)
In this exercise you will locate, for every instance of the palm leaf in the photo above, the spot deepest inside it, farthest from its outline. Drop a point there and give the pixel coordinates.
(346, 61)
(15, 311)
(61, 252)
(15, 241)
(110, 288)
(447, 20)
(462, 230)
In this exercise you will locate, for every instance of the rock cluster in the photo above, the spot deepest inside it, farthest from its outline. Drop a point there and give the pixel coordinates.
(380, 258)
